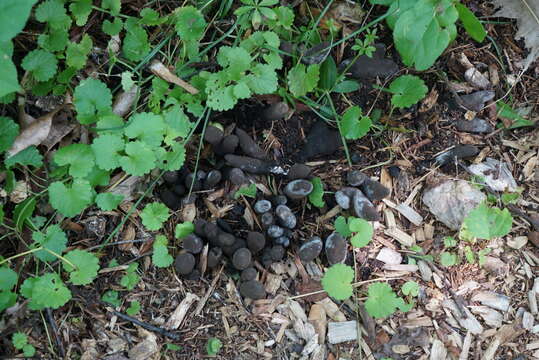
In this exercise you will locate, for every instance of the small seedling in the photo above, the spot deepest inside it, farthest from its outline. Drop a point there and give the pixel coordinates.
(382, 301)
(213, 346)
(316, 197)
(160, 257)
(131, 278)
(154, 215)
(20, 342)
(133, 308)
(249, 191)
(337, 281)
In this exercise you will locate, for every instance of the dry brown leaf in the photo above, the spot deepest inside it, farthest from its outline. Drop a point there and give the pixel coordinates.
(164, 73)
(124, 101)
(62, 126)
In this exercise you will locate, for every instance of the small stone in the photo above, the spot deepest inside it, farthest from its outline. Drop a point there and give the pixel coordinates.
(369, 67)
(266, 257)
(242, 259)
(211, 231)
(249, 146)
(171, 177)
(476, 101)
(227, 146)
(374, 190)
(248, 164)
(284, 241)
(237, 176)
(214, 257)
(285, 216)
(311, 249)
(253, 290)
(298, 189)
(475, 126)
(355, 177)
(170, 199)
(189, 199)
(223, 225)
(275, 111)
(184, 263)
(298, 171)
(255, 241)
(275, 231)
(458, 152)
(226, 239)
(277, 253)
(248, 274)
(178, 189)
(364, 208)
(389, 256)
(193, 275)
(238, 244)
(199, 225)
(262, 206)
(336, 248)
(279, 200)
(212, 179)
(267, 219)
(192, 243)
(342, 200)
(213, 135)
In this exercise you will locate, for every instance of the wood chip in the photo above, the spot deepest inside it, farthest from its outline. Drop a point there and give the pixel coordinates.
(159, 69)
(339, 332)
(317, 317)
(273, 283)
(176, 319)
(332, 310)
(400, 236)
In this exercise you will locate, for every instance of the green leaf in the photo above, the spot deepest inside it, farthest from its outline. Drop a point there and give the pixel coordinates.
(91, 98)
(54, 40)
(130, 279)
(135, 45)
(77, 53)
(151, 17)
(140, 159)
(28, 350)
(8, 278)
(382, 301)
(486, 222)
(341, 226)
(184, 229)
(407, 90)
(303, 80)
(54, 13)
(9, 82)
(471, 23)
(160, 257)
(316, 197)
(114, 27)
(337, 281)
(346, 86)
(177, 122)
(146, 127)
(285, 17)
(363, 230)
(28, 156)
(87, 265)
(7, 299)
(133, 308)
(190, 23)
(81, 9)
(54, 240)
(45, 291)
(13, 16)
(249, 191)
(448, 259)
(127, 81)
(354, 125)
(19, 339)
(173, 159)
(424, 31)
(328, 74)
(23, 211)
(79, 157)
(213, 346)
(154, 215)
(111, 297)
(108, 201)
(450, 241)
(98, 177)
(507, 112)
(113, 5)
(107, 150)
(70, 200)
(41, 64)
(8, 132)
(410, 288)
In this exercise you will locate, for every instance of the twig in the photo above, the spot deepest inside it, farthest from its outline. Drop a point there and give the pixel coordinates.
(202, 302)
(54, 328)
(164, 73)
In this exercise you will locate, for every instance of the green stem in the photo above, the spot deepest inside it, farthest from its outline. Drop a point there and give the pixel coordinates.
(24, 253)
(346, 151)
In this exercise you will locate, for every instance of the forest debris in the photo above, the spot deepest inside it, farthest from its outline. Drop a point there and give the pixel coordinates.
(437, 350)
(504, 335)
(475, 78)
(19, 192)
(400, 236)
(145, 349)
(124, 101)
(491, 317)
(175, 320)
(451, 201)
(34, 134)
(476, 101)
(339, 332)
(159, 69)
(273, 283)
(496, 175)
(467, 320)
(406, 211)
(60, 128)
(389, 256)
(518, 242)
(317, 317)
(332, 310)
(89, 347)
(424, 270)
(493, 300)
(474, 126)
(527, 320)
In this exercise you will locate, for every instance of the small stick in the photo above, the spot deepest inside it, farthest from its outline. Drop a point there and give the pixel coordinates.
(164, 73)
(54, 328)
(147, 326)
(202, 302)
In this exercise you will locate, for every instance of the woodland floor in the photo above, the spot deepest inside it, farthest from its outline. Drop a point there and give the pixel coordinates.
(271, 328)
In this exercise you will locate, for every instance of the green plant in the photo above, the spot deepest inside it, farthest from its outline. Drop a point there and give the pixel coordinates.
(133, 308)
(353, 124)
(213, 346)
(382, 301)
(249, 191)
(256, 10)
(486, 222)
(316, 197)
(183, 229)
(131, 278)
(161, 257)
(111, 297)
(20, 342)
(407, 90)
(154, 215)
(337, 281)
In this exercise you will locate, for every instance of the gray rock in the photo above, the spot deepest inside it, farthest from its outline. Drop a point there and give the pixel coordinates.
(214, 257)
(199, 227)
(248, 164)
(458, 152)
(374, 190)
(192, 243)
(298, 171)
(284, 241)
(343, 200)
(226, 239)
(275, 231)
(451, 201)
(267, 219)
(248, 274)
(227, 146)
(298, 189)
(366, 67)
(212, 179)
(496, 175)
(277, 252)
(364, 208)
(255, 241)
(355, 177)
(262, 206)
(252, 289)
(286, 217)
(184, 263)
(213, 135)
(310, 249)
(249, 146)
(476, 101)
(171, 177)
(321, 140)
(475, 126)
(242, 258)
(336, 248)
(237, 176)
